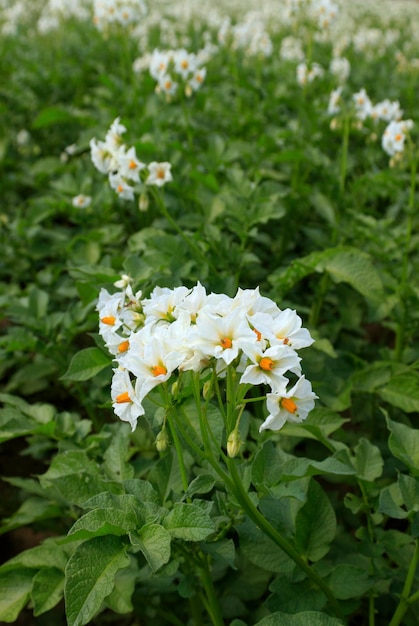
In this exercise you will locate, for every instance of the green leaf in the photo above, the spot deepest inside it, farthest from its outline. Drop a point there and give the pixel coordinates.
(154, 542)
(90, 577)
(404, 444)
(52, 115)
(402, 391)
(189, 522)
(348, 581)
(48, 554)
(101, 522)
(368, 461)
(119, 600)
(354, 267)
(343, 264)
(15, 589)
(223, 550)
(315, 524)
(262, 551)
(48, 589)
(295, 597)
(116, 456)
(86, 364)
(306, 618)
(75, 478)
(391, 502)
(201, 484)
(31, 510)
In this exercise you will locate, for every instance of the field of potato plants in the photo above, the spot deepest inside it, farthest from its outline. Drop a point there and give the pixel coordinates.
(209, 313)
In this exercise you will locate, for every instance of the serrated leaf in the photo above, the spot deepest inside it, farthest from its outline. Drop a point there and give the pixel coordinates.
(189, 522)
(86, 364)
(90, 576)
(47, 590)
(15, 589)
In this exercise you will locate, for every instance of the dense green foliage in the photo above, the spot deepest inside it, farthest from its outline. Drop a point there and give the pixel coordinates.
(267, 191)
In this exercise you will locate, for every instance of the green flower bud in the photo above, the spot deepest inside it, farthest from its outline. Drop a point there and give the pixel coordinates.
(162, 440)
(233, 444)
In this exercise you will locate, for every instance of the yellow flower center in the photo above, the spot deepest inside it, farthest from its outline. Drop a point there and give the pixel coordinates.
(123, 347)
(132, 165)
(158, 370)
(289, 405)
(160, 173)
(109, 320)
(226, 342)
(266, 364)
(123, 397)
(184, 64)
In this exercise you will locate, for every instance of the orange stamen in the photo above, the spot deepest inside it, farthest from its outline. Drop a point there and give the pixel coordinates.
(258, 334)
(158, 370)
(398, 137)
(289, 405)
(160, 173)
(123, 347)
(266, 364)
(132, 165)
(123, 397)
(184, 64)
(226, 342)
(120, 189)
(109, 320)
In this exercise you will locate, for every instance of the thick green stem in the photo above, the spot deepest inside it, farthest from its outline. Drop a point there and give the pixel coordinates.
(404, 599)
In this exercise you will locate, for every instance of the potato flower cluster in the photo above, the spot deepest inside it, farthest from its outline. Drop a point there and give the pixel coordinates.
(170, 68)
(186, 329)
(122, 12)
(112, 157)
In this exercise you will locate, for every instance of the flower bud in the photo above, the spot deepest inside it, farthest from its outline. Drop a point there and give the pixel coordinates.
(143, 202)
(162, 440)
(174, 388)
(207, 390)
(233, 444)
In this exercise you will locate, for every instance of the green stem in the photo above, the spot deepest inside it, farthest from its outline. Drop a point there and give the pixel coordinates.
(254, 514)
(176, 442)
(401, 328)
(344, 156)
(404, 599)
(210, 601)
